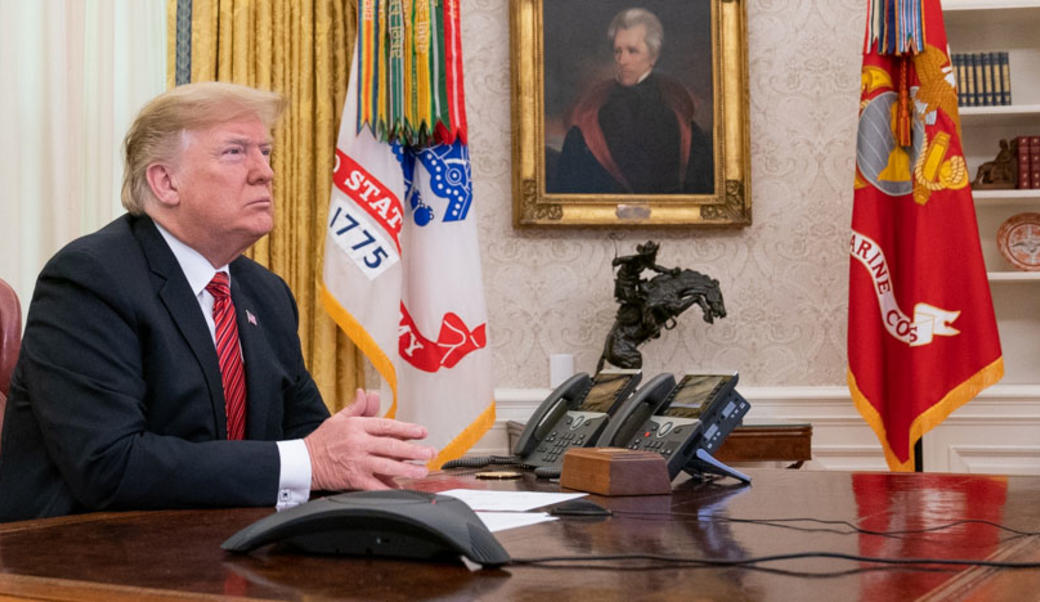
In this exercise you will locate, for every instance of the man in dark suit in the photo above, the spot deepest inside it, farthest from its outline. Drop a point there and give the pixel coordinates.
(129, 389)
(636, 133)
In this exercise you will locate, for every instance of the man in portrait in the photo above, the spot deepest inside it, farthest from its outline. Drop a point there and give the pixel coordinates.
(635, 134)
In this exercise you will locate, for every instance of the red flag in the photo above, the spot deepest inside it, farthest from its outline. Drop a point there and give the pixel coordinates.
(922, 336)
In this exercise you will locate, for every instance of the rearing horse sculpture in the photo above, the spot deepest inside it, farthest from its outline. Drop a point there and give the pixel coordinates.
(648, 305)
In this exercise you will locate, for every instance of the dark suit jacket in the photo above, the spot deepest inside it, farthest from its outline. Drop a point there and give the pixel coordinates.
(116, 401)
(639, 139)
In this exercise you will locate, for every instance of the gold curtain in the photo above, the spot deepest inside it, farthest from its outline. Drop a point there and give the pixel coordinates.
(301, 49)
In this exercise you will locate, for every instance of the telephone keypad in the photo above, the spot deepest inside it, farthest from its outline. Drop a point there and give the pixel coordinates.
(577, 429)
(664, 434)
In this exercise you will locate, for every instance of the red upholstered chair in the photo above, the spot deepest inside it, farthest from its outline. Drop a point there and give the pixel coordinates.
(10, 341)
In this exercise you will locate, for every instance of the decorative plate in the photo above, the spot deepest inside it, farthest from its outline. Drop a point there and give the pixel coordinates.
(1019, 241)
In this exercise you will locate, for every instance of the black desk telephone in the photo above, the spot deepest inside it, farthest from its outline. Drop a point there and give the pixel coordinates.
(573, 415)
(685, 423)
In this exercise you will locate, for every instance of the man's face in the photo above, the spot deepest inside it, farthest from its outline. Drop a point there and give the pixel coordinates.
(632, 57)
(224, 181)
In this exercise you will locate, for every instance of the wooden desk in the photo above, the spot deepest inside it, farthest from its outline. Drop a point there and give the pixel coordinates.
(747, 443)
(176, 554)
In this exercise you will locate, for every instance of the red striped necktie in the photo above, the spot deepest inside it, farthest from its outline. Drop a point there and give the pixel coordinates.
(232, 372)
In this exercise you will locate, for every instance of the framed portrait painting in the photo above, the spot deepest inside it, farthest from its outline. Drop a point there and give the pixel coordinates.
(629, 113)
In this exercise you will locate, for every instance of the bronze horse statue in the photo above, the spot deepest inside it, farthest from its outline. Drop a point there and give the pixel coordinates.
(657, 303)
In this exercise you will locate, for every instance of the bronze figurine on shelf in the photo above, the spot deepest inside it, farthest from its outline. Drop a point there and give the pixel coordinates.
(647, 305)
(1001, 172)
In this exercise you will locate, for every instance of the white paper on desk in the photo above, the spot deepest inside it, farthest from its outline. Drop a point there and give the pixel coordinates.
(500, 521)
(508, 501)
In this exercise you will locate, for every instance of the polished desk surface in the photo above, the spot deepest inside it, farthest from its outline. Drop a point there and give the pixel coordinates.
(176, 554)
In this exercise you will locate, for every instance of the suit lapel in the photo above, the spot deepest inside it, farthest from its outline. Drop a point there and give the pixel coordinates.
(183, 307)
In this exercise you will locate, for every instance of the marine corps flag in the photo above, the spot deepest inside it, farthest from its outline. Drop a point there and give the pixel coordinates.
(402, 270)
(922, 337)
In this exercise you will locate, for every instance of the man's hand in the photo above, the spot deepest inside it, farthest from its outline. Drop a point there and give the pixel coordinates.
(355, 450)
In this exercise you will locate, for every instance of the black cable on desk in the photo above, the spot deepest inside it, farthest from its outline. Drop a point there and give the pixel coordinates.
(481, 462)
(854, 528)
(755, 560)
(542, 472)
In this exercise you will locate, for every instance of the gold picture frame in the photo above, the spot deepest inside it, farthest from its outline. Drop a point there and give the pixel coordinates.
(547, 194)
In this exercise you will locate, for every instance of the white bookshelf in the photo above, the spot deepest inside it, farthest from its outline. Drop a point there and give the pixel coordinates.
(1018, 200)
(1012, 26)
(1014, 277)
(1010, 115)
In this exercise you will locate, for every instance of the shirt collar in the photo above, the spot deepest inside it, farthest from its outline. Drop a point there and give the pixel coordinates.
(641, 79)
(196, 268)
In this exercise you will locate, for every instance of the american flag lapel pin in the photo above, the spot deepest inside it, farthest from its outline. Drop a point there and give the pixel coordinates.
(251, 317)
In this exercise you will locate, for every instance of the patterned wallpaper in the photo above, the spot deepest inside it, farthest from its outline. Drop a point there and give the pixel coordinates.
(784, 278)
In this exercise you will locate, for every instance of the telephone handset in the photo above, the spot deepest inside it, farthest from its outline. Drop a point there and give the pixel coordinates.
(689, 422)
(573, 415)
(631, 417)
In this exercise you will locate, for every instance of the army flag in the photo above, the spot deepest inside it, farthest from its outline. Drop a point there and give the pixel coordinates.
(402, 274)
(922, 336)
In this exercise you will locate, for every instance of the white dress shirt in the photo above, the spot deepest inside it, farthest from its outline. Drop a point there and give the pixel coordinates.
(294, 473)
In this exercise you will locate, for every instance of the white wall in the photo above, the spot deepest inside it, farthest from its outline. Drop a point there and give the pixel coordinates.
(784, 278)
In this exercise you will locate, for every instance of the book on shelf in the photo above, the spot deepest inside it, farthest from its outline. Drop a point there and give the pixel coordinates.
(1024, 179)
(957, 60)
(985, 61)
(997, 81)
(983, 78)
(980, 95)
(969, 76)
(1005, 77)
(1034, 161)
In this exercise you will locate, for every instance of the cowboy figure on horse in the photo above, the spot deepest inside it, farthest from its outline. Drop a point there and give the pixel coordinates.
(647, 305)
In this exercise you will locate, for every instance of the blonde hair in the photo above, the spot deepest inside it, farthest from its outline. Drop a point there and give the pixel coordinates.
(157, 133)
